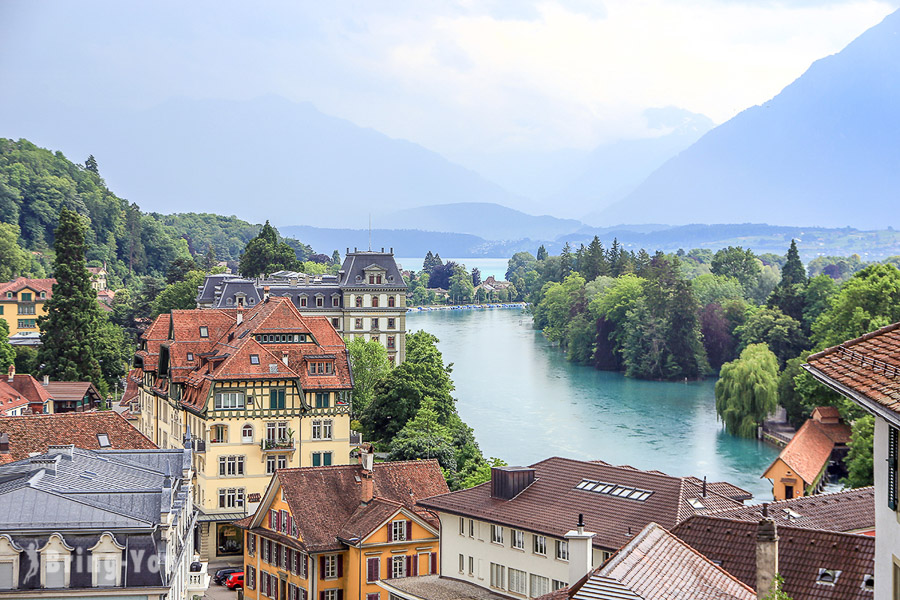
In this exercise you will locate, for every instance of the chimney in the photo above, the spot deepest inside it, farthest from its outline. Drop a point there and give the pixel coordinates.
(766, 556)
(46, 380)
(284, 358)
(704, 486)
(508, 482)
(62, 449)
(240, 316)
(367, 473)
(580, 551)
(12, 372)
(265, 293)
(4, 443)
(367, 457)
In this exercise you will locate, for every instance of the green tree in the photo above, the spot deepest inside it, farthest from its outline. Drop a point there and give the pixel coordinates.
(558, 305)
(424, 436)
(336, 258)
(737, 263)
(179, 268)
(783, 335)
(13, 259)
(777, 591)
(7, 352)
(542, 253)
(91, 165)
(369, 363)
(181, 295)
(461, 288)
(267, 253)
(209, 261)
(817, 298)
(70, 329)
(859, 459)
(481, 473)
(711, 288)
(747, 390)
(27, 360)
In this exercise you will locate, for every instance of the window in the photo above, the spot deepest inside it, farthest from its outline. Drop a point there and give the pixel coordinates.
(893, 451)
(190, 356)
(320, 301)
(516, 581)
(462, 526)
(331, 594)
(55, 559)
(562, 550)
(26, 309)
(496, 534)
(399, 530)
(229, 400)
(103, 440)
(540, 544)
(336, 323)
(471, 528)
(302, 301)
(518, 539)
(9, 294)
(498, 576)
(321, 459)
(219, 434)
(828, 576)
(462, 563)
(330, 566)
(276, 431)
(359, 302)
(398, 567)
(392, 302)
(392, 323)
(27, 323)
(558, 585)
(375, 324)
(25, 297)
(335, 300)
(231, 498)
(357, 323)
(276, 398)
(43, 294)
(390, 342)
(539, 586)
(250, 579)
(373, 596)
(471, 565)
(323, 399)
(373, 567)
(254, 359)
(204, 331)
(107, 572)
(54, 573)
(231, 466)
(375, 301)
(321, 429)
(247, 434)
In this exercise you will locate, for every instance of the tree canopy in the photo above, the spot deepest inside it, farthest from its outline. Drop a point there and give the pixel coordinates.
(747, 390)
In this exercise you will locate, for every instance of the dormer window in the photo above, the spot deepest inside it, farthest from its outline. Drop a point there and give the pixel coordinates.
(254, 359)
(303, 300)
(321, 368)
(103, 440)
(190, 356)
(43, 294)
(828, 576)
(204, 331)
(320, 301)
(335, 300)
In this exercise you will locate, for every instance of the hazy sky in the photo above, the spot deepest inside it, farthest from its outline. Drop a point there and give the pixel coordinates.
(456, 77)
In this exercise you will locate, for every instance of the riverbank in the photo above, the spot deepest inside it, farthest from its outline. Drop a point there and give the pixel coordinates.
(519, 305)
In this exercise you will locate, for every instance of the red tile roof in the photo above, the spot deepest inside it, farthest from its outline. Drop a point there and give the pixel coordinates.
(326, 501)
(656, 565)
(847, 511)
(551, 504)
(21, 283)
(868, 366)
(132, 383)
(801, 554)
(810, 449)
(22, 390)
(35, 433)
(72, 390)
(231, 351)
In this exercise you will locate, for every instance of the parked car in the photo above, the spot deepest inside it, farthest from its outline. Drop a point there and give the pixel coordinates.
(235, 581)
(222, 575)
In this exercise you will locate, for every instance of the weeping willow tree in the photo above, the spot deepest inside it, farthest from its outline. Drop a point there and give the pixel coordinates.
(747, 390)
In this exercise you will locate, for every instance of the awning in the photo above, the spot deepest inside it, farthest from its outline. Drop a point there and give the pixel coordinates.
(219, 517)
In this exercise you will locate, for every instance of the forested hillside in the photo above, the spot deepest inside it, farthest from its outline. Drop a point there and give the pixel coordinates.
(35, 183)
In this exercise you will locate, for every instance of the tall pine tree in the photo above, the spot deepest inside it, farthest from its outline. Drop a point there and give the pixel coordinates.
(790, 293)
(70, 331)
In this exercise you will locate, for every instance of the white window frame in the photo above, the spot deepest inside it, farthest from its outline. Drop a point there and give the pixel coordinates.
(232, 497)
(247, 439)
(517, 539)
(398, 531)
(497, 534)
(562, 550)
(56, 550)
(330, 570)
(331, 594)
(498, 576)
(9, 554)
(517, 581)
(323, 429)
(398, 566)
(539, 545)
(229, 400)
(233, 466)
(538, 585)
(462, 526)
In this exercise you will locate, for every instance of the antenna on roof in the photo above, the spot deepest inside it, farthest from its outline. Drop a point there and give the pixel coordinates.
(370, 232)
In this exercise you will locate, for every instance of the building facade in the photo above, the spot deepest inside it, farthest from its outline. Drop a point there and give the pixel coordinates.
(867, 371)
(65, 532)
(261, 388)
(366, 299)
(514, 535)
(21, 303)
(332, 533)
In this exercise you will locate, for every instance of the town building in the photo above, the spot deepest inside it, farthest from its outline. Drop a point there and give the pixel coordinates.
(814, 455)
(261, 388)
(366, 299)
(98, 278)
(514, 534)
(848, 511)
(815, 564)
(656, 565)
(78, 523)
(23, 394)
(25, 436)
(21, 303)
(867, 371)
(332, 533)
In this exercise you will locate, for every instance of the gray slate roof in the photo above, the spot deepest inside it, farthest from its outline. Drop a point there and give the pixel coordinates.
(353, 271)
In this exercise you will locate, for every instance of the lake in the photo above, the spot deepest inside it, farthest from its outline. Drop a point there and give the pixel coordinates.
(488, 266)
(526, 402)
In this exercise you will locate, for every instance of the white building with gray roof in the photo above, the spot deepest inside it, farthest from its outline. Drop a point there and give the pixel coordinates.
(80, 523)
(366, 299)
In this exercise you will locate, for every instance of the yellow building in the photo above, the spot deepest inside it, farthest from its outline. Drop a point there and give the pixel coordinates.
(22, 302)
(331, 533)
(259, 389)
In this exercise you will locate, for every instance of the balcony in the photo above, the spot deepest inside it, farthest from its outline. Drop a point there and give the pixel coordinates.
(198, 581)
(280, 445)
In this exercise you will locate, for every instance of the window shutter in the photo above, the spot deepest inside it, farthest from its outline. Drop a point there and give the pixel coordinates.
(892, 467)
(290, 526)
(389, 571)
(340, 595)
(340, 565)
(409, 563)
(322, 595)
(372, 574)
(409, 530)
(271, 519)
(302, 593)
(414, 561)
(433, 563)
(321, 567)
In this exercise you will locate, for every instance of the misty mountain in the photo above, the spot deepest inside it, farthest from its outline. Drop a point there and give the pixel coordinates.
(488, 221)
(266, 158)
(823, 152)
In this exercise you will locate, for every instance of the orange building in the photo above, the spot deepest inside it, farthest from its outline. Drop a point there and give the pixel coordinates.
(800, 469)
(331, 533)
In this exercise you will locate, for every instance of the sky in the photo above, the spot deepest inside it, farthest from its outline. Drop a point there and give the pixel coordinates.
(463, 78)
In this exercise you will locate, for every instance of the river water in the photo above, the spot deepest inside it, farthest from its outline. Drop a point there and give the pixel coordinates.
(526, 403)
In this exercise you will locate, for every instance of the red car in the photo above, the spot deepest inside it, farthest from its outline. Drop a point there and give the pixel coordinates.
(235, 581)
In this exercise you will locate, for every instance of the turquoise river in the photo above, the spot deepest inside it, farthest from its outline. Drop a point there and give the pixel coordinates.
(525, 403)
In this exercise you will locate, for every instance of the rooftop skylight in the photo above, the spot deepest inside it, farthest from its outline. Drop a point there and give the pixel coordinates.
(613, 489)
